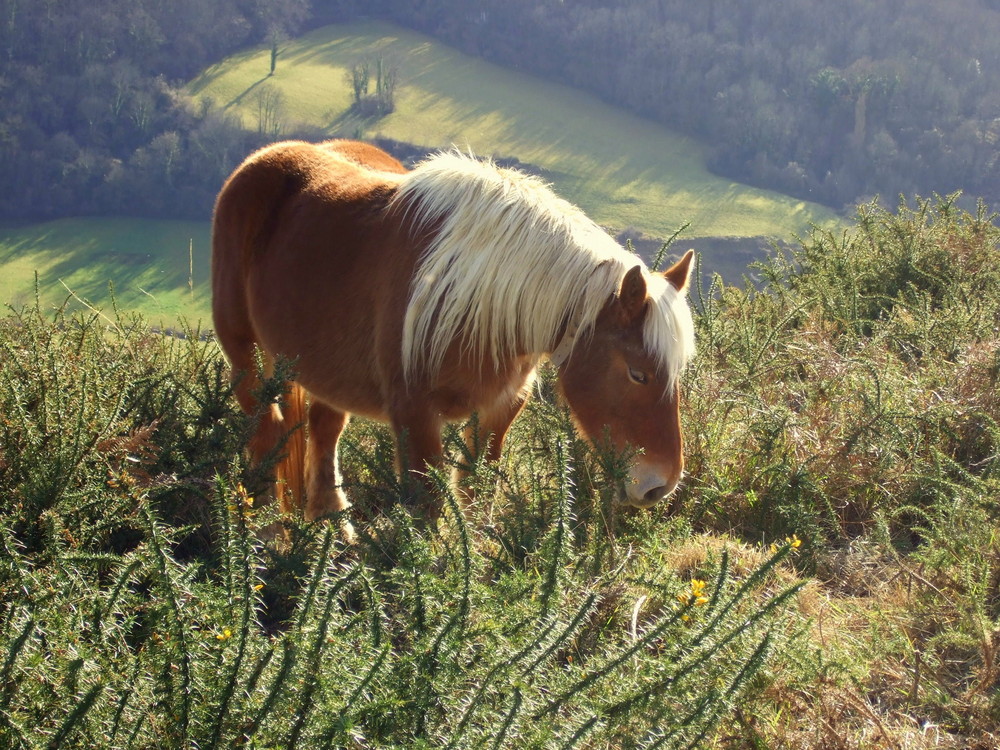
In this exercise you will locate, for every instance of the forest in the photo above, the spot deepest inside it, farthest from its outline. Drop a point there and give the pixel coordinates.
(831, 102)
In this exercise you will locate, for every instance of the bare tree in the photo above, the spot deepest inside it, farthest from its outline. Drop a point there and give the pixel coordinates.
(270, 110)
(386, 78)
(359, 75)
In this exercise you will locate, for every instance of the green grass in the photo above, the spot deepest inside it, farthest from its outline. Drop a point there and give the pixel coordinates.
(146, 261)
(622, 170)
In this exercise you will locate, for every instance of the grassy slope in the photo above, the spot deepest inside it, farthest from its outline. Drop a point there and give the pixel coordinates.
(146, 261)
(851, 402)
(623, 170)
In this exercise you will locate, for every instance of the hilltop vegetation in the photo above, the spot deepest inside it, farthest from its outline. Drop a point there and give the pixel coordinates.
(824, 101)
(846, 413)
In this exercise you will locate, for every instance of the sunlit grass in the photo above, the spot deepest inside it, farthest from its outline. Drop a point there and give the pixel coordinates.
(623, 170)
(146, 262)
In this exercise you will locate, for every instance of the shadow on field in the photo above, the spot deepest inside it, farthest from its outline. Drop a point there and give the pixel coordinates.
(85, 256)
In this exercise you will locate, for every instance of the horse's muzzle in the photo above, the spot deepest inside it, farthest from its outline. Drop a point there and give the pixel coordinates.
(646, 488)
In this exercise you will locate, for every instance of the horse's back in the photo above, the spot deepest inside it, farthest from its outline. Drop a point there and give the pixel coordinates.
(287, 198)
(269, 179)
(365, 155)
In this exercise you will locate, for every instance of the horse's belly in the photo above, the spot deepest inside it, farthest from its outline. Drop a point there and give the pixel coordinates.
(334, 363)
(461, 392)
(347, 394)
(340, 371)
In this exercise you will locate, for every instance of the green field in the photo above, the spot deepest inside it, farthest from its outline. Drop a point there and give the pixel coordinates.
(147, 262)
(626, 172)
(622, 170)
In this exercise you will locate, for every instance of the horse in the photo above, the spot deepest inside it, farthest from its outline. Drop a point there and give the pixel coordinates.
(420, 297)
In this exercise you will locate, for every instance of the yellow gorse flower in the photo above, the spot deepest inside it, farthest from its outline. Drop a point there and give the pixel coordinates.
(242, 497)
(695, 596)
(792, 541)
(245, 497)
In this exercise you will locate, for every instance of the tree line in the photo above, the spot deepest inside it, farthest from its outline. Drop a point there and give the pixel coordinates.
(91, 118)
(829, 101)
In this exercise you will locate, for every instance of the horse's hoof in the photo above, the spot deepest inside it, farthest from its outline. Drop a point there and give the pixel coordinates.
(347, 533)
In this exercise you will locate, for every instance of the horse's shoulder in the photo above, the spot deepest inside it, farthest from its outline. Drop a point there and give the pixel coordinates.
(312, 160)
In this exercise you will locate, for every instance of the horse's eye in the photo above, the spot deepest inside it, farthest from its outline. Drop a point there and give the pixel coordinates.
(637, 376)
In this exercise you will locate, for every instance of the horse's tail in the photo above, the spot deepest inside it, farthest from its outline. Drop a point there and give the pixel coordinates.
(290, 471)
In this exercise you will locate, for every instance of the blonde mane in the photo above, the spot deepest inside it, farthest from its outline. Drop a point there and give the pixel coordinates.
(510, 265)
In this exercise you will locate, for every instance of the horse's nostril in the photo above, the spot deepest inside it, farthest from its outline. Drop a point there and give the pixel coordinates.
(655, 495)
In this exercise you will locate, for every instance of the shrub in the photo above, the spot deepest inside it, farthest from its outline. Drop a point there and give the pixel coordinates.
(849, 396)
(841, 415)
(138, 606)
(855, 389)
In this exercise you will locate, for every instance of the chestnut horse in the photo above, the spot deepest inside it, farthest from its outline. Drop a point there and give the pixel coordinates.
(419, 297)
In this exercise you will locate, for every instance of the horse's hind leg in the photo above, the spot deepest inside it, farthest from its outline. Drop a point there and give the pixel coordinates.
(270, 428)
(324, 494)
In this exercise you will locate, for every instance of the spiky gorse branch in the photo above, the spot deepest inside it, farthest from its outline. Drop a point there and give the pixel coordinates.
(138, 606)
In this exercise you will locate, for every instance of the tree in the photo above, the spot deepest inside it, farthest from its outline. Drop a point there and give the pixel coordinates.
(275, 37)
(386, 76)
(270, 110)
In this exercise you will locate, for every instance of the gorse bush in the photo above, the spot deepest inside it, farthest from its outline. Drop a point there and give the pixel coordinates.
(856, 388)
(86, 410)
(850, 396)
(139, 608)
(840, 419)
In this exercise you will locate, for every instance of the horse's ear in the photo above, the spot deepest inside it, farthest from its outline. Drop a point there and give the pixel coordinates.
(679, 273)
(632, 294)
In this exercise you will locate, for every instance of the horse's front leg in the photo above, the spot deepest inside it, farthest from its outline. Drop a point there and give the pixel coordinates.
(418, 448)
(484, 437)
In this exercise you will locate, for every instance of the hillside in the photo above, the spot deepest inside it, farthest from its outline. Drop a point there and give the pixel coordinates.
(831, 101)
(624, 171)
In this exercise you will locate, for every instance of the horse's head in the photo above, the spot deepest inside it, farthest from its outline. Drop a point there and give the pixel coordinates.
(622, 383)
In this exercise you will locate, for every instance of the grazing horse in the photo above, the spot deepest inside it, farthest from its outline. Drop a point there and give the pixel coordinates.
(424, 296)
